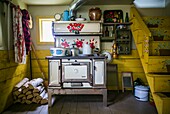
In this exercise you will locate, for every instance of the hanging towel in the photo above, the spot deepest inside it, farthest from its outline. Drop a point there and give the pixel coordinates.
(19, 41)
(25, 25)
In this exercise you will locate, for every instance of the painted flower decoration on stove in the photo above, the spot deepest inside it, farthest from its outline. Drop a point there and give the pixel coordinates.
(64, 43)
(92, 43)
(75, 27)
(79, 43)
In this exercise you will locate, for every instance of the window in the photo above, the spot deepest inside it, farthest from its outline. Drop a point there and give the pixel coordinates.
(45, 30)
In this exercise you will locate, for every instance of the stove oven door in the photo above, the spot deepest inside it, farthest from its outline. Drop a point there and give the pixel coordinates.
(76, 72)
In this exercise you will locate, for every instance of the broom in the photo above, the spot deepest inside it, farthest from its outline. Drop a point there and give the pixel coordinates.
(45, 82)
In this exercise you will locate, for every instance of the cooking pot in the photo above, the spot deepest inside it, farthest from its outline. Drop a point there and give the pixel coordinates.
(74, 51)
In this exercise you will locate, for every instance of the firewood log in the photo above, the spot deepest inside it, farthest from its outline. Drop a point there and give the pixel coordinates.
(17, 92)
(25, 85)
(30, 87)
(38, 89)
(28, 93)
(25, 90)
(28, 101)
(34, 100)
(36, 82)
(29, 96)
(21, 95)
(39, 97)
(35, 94)
(45, 99)
(22, 82)
(24, 98)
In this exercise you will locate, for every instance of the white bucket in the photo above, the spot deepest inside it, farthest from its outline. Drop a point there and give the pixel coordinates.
(141, 93)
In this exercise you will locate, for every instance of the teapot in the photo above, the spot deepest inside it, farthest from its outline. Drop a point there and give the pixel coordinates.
(74, 51)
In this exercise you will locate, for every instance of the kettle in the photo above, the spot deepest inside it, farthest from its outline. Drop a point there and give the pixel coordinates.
(66, 16)
(74, 51)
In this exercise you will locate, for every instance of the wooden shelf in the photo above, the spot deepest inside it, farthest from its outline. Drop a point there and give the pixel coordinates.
(107, 39)
(110, 24)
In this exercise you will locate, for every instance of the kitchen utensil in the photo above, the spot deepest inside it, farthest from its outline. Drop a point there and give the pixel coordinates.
(66, 16)
(108, 55)
(74, 51)
(86, 49)
(80, 19)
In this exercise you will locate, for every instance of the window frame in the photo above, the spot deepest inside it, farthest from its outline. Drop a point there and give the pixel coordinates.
(39, 20)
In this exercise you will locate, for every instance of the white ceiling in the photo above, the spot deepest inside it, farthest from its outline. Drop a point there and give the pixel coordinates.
(47, 2)
(138, 3)
(67, 2)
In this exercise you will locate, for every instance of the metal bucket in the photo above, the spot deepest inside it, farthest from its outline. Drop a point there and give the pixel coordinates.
(141, 93)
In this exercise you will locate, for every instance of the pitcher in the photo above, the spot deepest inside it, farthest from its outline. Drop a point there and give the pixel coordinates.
(66, 16)
(87, 49)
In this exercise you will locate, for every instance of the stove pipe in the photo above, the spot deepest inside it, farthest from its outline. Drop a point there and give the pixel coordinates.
(75, 5)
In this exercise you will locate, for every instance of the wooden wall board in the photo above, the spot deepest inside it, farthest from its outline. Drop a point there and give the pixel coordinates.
(43, 63)
(128, 63)
(11, 73)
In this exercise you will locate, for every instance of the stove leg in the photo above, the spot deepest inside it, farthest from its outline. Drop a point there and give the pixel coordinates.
(50, 92)
(105, 97)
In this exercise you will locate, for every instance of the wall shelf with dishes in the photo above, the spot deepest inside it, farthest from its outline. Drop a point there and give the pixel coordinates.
(117, 30)
(123, 41)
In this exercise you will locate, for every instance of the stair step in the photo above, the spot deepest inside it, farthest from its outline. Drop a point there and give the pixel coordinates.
(162, 101)
(159, 82)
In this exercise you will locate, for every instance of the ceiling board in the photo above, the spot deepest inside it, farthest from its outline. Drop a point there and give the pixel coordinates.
(47, 2)
(67, 2)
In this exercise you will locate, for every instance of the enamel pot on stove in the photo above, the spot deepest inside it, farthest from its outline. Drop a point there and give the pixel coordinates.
(74, 51)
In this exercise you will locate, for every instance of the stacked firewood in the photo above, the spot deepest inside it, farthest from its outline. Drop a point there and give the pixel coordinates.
(32, 91)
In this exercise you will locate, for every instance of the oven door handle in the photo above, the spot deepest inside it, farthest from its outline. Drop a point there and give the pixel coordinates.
(75, 64)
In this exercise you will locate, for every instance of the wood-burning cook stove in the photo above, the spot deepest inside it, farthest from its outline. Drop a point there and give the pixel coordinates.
(77, 74)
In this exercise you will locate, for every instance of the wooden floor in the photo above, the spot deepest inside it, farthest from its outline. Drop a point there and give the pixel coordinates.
(122, 103)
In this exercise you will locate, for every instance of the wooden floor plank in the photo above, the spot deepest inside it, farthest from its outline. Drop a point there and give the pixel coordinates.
(36, 109)
(44, 109)
(66, 106)
(73, 106)
(93, 108)
(102, 109)
(57, 105)
(83, 105)
(118, 103)
(24, 110)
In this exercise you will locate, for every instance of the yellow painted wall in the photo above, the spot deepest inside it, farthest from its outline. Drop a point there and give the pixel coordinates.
(10, 73)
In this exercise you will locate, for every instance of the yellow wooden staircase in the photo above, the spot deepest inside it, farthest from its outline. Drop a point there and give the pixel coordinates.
(154, 65)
